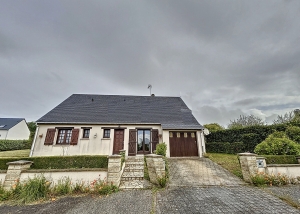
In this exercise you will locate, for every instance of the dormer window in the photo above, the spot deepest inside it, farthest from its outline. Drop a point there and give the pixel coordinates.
(2, 126)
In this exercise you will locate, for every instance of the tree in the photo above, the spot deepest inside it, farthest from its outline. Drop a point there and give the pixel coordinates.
(292, 116)
(32, 128)
(245, 121)
(214, 127)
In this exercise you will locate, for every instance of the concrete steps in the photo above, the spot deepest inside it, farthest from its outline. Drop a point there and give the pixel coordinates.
(133, 175)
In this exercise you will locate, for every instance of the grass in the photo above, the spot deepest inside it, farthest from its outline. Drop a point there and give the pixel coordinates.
(227, 161)
(15, 153)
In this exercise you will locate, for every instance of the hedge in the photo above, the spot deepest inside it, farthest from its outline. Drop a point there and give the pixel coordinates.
(250, 136)
(280, 159)
(61, 162)
(9, 145)
(225, 147)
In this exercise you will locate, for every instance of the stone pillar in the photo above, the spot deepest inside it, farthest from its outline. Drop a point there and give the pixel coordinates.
(114, 169)
(298, 159)
(156, 167)
(248, 165)
(14, 171)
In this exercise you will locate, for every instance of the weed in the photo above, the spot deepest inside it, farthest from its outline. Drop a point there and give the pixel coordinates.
(63, 187)
(162, 181)
(261, 179)
(32, 190)
(80, 187)
(102, 187)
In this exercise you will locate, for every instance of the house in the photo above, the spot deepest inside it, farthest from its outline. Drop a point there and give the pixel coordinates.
(87, 124)
(13, 129)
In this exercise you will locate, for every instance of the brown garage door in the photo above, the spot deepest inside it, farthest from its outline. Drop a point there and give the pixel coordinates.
(183, 144)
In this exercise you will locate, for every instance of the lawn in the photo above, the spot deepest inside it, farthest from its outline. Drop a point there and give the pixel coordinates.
(227, 161)
(15, 153)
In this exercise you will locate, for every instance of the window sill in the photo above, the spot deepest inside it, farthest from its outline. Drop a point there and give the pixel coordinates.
(105, 138)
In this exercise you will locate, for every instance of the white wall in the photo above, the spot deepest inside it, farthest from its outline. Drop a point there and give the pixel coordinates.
(92, 146)
(3, 134)
(19, 132)
(291, 170)
(2, 177)
(75, 176)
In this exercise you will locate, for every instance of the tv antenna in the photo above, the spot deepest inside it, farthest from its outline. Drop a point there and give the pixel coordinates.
(149, 87)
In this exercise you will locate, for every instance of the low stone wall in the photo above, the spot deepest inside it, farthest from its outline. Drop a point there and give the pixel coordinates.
(115, 169)
(156, 167)
(251, 164)
(291, 170)
(76, 176)
(19, 171)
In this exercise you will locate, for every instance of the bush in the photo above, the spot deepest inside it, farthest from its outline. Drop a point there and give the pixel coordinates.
(9, 145)
(228, 148)
(161, 149)
(293, 132)
(277, 144)
(61, 162)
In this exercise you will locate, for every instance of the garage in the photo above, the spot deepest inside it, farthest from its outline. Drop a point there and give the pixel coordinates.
(183, 144)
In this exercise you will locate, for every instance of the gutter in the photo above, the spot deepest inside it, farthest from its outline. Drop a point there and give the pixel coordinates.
(33, 143)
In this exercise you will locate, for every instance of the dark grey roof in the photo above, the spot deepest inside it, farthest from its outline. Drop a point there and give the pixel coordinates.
(8, 123)
(170, 112)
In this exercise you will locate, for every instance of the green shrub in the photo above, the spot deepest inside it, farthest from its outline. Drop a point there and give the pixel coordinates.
(63, 187)
(293, 132)
(9, 145)
(161, 149)
(61, 162)
(277, 144)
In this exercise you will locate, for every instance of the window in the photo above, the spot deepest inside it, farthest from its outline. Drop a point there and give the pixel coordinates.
(106, 133)
(64, 136)
(86, 133)
(185, 135)
(193, 134)
(171, 134)
(178, 134)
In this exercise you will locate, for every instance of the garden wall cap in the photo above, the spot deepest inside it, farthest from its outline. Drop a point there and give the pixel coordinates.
(154, 156)
(247, 154)
(20, 162)
(259, 157)
(114, 156)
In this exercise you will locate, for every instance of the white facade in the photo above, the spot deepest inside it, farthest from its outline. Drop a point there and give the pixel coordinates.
(96, 144)
(18, 132)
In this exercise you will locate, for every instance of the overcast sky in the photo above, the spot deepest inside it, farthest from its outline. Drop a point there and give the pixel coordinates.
(224, 58)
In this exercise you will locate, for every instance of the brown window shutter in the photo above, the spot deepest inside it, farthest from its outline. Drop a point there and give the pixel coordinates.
(49, 140)
(74, 138)
(132, 142)
(154, 139)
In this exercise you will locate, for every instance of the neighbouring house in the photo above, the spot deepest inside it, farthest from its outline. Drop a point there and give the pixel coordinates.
(14, 129)
(87, 124)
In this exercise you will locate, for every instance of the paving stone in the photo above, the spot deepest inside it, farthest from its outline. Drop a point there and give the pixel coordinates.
(219, 199)
(199, 172)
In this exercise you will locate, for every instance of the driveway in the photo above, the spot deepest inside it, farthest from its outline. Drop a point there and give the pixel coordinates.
(201, 186)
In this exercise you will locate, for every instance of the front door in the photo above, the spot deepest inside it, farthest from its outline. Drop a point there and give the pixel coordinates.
(118, 141)
(143, 141)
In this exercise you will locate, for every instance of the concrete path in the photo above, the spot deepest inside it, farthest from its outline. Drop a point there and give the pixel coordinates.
(199, 172)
